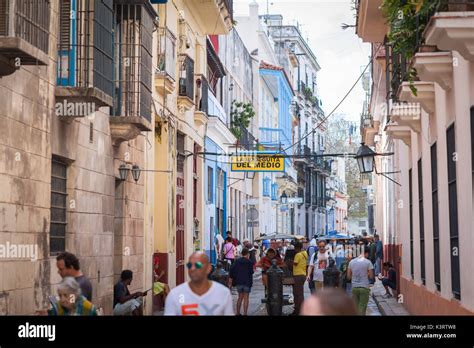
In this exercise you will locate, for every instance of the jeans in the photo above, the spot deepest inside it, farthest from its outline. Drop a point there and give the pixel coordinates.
(349, 289)
(298, 292)
(377, 265)
(361, 299)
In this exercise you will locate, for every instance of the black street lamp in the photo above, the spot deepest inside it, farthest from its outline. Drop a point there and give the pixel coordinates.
(136, 171)
(365, 159)
(123, 172)
(284, 198)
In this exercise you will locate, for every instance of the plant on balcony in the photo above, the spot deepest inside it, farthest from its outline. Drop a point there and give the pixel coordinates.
(241, 113)
(407, 20)
(308, 93)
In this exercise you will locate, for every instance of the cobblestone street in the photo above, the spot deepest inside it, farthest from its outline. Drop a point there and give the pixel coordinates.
(257, 308)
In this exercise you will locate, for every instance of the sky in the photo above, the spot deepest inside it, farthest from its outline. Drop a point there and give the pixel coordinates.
(341, 54)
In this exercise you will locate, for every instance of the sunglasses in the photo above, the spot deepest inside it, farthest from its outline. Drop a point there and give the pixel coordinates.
(198, 265)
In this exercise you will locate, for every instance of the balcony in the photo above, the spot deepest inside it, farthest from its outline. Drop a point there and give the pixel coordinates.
(165, 74)
(451, 28)
(215, 17)
(133, 44)
(435, 67)
(371, 26)
(24, 34)
(247, 140)
(186, 84)
(85, 54)
(302, 155)
(202, 101)
(410, 114)
(399, 132)
(369, 128)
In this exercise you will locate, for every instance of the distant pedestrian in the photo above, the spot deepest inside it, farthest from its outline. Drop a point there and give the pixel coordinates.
(318, 263)
(241, 276)
(390, 281)
(378, 254)
(360, 271)
(299, 275)
(229, 251)
(331, 301)
(235, 241)
(199, 296)
(313, 247)
(266, 262)
(345, 282)
(68, 266)
(219, 275)
(125, 303)
(70, 301)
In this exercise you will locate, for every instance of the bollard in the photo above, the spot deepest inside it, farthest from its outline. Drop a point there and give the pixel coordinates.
(331, 275)
(274, 299)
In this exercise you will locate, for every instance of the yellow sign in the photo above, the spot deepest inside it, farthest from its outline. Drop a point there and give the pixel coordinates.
(258, 163)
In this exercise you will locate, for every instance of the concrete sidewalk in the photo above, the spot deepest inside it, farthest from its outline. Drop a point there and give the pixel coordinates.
(387, 306)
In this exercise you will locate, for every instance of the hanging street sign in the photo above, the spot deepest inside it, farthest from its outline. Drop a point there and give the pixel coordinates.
(295, 200)
(257, 162)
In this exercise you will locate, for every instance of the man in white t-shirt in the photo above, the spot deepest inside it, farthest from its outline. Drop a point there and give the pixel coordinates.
(318, 263)
(199, 296)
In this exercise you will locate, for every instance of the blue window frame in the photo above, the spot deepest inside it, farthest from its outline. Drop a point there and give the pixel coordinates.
(210, 185)
(266, 187)
(67, 48)
(274, 191)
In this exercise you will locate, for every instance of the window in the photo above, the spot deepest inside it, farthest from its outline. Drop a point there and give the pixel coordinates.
(210, 185)
(266, 187)
(435, 206)
(57, 236)
(410, 184)
(274, 191)
(361, 223)
(220, 197)
(453, 212)
(422, 221)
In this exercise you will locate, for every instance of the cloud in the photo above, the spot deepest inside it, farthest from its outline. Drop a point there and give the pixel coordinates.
(340, 53)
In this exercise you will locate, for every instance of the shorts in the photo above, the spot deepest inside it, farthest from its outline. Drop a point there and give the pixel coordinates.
(389, 283)
(243, 289)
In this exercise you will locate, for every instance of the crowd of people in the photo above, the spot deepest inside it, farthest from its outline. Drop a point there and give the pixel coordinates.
(338, 278)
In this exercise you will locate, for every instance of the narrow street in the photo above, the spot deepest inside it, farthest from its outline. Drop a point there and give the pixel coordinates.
(257, 308)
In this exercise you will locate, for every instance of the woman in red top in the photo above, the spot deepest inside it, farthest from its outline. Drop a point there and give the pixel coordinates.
(266, 262)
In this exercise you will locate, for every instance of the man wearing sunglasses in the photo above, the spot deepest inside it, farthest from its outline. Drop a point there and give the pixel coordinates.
(199, 296)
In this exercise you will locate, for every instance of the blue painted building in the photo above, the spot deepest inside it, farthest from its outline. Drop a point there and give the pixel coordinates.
(215, 186)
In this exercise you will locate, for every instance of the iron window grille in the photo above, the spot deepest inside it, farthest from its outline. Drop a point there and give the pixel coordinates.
(412, 256)
(166, 53)
(422, 221)
(86, 44)
(186, 77)
(133, 44)
(435, 207)
(57, 234)
(28, 20)
(453, 212)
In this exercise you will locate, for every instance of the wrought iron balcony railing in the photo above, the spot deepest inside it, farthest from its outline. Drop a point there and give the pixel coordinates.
(186, 80)
(24, 27)
(166, 53)
(86, 50)
(203, 103)
(133, 44)
(247, 140)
